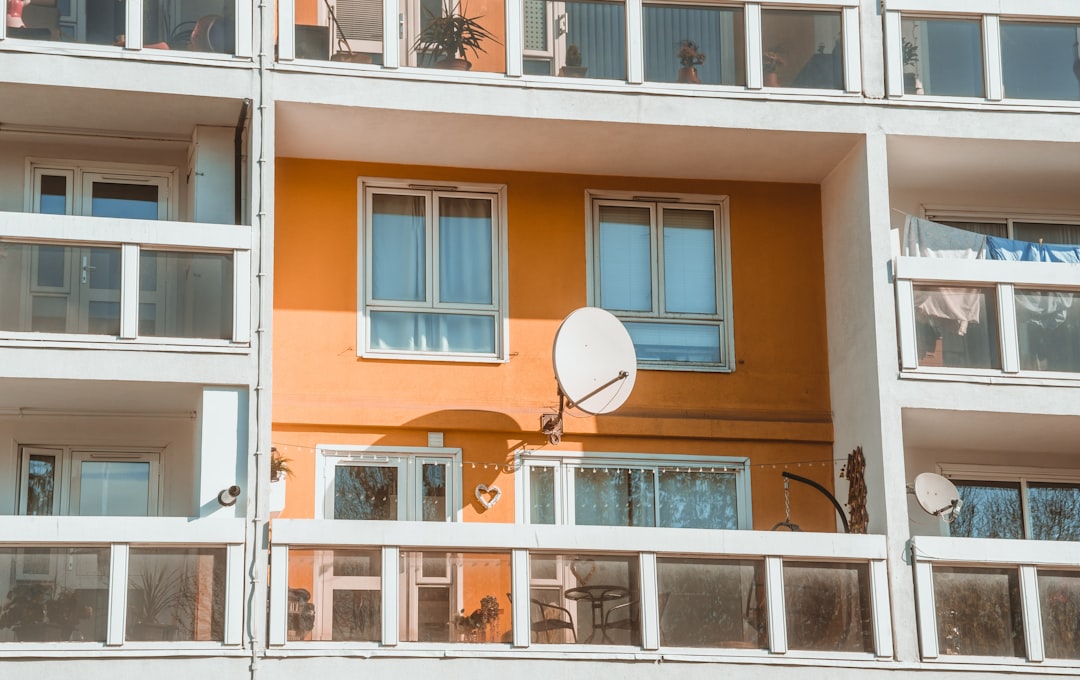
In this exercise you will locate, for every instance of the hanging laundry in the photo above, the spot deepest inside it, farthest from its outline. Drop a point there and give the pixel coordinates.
(923, 238)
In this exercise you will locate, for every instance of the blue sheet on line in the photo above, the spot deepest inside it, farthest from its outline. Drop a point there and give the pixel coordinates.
(1026, 251)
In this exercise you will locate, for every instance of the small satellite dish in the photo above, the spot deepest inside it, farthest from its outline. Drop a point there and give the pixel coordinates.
(937, 496)
(595, 366)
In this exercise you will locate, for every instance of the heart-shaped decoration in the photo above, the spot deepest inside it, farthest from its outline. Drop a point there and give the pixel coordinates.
(583, 575)
(482, 493)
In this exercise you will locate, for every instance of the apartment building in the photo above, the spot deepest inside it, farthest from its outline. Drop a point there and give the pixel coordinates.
(280, 284)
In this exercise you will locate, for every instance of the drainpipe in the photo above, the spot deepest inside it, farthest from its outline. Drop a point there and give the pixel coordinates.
(238, 157)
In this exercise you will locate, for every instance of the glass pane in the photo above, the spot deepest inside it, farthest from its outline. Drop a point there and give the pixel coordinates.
(176, 594)
(828, 606)
(192, 25)
(53, 200)
(103, 318)
(689, 262)
(1038, 60)
(614, 497)
(465, 250)
(625, 258)
(690, 343)
(48, 314)
(133, 201)
(999, 229)
(41, 485)
(712, 603)
(366, 492)
(1059, 602)
(433, 490)
(432, 612)
(459, 36)
(1054, 510)
(695, 45)
(978, 611)
(354, 34)
(98, 23)
(541, 494)
(351, 583)
(802, 49)
(52, 265)
(957, 327)
(943, 57)
(114, 488)
(54, 594)
(991, 510)
(604, 599)
(425, 332)
(1047, 232)
(594, 43)
(186, 295)
(698, 500)
(1048, 330)
(398, 248)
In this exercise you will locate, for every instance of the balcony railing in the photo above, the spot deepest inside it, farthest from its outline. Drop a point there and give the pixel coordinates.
(69, 278)
(991, 600)
(801, 44)
(989, 49)
(121, 582)
(986, 317)
(382, 585)
(214, 27)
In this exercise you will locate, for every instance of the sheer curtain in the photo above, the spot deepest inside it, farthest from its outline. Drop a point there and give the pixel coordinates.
(625, 258)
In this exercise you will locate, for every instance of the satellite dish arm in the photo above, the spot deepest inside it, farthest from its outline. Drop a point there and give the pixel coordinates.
(825, 492)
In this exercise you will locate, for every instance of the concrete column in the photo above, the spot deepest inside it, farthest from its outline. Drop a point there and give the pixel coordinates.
(221, 449)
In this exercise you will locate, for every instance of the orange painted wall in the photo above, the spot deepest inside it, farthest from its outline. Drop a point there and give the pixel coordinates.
(774, 408)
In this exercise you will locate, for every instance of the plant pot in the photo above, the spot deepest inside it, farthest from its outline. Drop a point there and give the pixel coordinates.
(277, 496)
(148, 632)
(454, 64)
(573, 71)
(42, 632)
(688, 74)
(772, 79)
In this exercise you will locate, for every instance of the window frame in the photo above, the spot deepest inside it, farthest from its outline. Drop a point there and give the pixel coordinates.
(1005, 217)
(67, 486)
(566, 463)
(81, 175)
(657, 203)
(497, 309)
(1011, 474)
(408, 458)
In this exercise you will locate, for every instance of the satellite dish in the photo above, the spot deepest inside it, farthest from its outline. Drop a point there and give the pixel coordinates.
(595, 366)
(937, 496)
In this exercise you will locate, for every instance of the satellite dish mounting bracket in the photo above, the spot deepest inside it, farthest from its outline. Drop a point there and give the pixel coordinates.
(551, 423)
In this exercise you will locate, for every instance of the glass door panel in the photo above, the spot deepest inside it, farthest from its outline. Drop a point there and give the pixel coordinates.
(368, 492)
(105, 484)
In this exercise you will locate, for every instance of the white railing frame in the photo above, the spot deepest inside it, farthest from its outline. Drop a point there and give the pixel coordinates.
(120, 534)
(646, 543)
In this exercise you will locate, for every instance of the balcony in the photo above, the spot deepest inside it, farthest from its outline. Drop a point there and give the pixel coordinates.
(997, 51)
(805, 45)
(376, 585)
(84, 583)
(205, 27)
(146, 282)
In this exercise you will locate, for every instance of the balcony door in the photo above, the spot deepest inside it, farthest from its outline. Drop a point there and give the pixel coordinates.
(64, 481)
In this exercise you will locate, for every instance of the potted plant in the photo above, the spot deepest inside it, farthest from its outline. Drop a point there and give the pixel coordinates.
(690, 57)
(771, 63)
(482, 625)
(280, 470)
(156, 594)
(446, 38)
(573, 67)
(36, 612)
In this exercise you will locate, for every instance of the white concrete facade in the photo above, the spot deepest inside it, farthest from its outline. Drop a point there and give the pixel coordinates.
(198, 407)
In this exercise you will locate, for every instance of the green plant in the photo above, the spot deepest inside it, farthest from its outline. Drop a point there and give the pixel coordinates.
(911, 52)
(279, 466)
(448, 36)
(689, 55)
(157, 594)
(573, 56)
(35, 603)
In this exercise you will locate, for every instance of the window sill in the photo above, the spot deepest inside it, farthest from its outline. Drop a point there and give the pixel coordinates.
(991, 377)
(433, 357)
(99, 342)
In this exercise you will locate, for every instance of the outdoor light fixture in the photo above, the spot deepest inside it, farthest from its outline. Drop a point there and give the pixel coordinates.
(228, 497)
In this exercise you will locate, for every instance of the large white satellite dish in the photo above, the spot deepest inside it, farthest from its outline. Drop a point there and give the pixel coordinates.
(937, 496)
(595, 365)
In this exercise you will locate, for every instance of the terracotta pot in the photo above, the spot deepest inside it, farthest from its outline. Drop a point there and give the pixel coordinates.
(454, 64)
(772, 79)
(688, 74)
(573, 71)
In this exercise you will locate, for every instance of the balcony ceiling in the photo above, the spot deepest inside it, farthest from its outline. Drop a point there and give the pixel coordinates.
(539, 144)
(1020, 433)
(74, 396)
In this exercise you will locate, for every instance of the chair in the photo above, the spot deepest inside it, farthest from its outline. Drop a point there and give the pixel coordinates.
(550, 620)
(630, 623)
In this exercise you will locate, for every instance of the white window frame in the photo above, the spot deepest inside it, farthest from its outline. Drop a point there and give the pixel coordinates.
(722, 319)
(82, 174)
(1012, 474)
(67, 483)
(565, 465)
(496, 193)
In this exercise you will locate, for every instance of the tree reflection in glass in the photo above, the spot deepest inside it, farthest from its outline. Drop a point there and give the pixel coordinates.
(365, 492)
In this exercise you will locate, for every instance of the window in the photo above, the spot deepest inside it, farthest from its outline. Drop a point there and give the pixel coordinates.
(676, 37)
(433, 271)
(377, 483)
(635, 490)
(1035, 229)
(1013, 503)
(943, 56)
(802, 49)
(1038, 60)
(119, 191)
(661, 266)
(62, 481)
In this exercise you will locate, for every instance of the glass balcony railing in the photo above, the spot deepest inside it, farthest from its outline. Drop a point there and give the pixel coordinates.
(798, 44)
(206, 26)
(161, 288)
(87, 584)
(489, 584)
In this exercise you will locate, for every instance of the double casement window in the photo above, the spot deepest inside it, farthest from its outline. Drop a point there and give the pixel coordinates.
(661, 266)
(1036, 229)
(636, 490)
(1041, 505)
(433, 271)
(419, 484)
